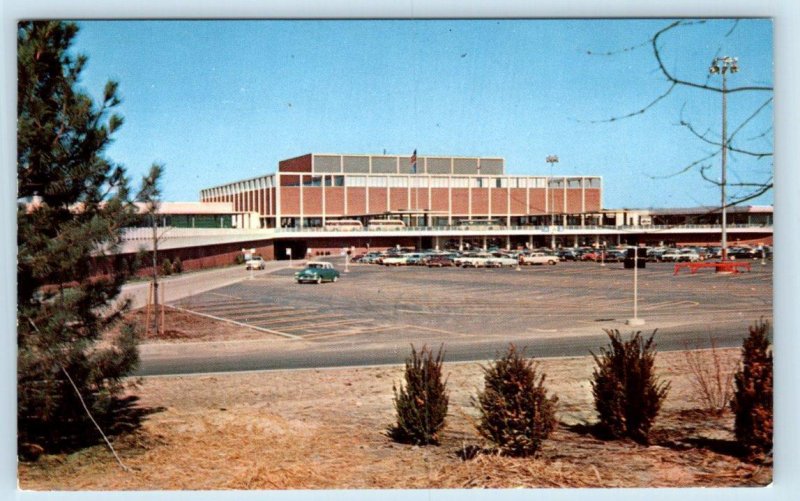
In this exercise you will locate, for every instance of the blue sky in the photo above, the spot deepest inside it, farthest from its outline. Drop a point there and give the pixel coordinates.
(218, 101)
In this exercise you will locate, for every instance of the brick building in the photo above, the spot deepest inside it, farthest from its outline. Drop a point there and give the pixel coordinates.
(312, 189)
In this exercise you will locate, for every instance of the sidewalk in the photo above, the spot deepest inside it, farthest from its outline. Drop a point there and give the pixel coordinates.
(179, 286)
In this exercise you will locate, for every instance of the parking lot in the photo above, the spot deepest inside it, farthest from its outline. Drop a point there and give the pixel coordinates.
(374, 304)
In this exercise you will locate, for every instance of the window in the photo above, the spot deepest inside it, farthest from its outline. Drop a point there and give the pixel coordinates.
(376, 181)
(574, 183)
(355, 181)
(398, 182)
(459, 182)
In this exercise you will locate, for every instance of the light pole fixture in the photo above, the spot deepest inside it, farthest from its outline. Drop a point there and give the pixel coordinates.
(551, 159)
(721, 66)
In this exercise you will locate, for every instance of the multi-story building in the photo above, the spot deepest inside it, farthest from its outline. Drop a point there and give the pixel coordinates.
(426, 191)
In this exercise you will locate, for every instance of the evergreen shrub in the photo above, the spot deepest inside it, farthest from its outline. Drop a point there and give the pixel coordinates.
(515, 412)
(752, 399)
(421, 404)
(166, 267)
(627, 394)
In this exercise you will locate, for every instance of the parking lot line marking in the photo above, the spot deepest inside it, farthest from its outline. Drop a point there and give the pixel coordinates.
(226, 295)
(261, 329)
(261, 307)
(289, 320)
(655, 306)
(431, 329)
(212, 301)
(332, 323)
(325, 336)
(191, 304)
(236, 308)
(266, 314)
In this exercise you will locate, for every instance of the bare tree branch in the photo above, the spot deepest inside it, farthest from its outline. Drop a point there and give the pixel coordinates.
(703, 138)
(687, 168)
(677, 81)
(638, 112)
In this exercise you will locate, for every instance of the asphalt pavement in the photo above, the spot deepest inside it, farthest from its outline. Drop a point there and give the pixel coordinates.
(373, 314)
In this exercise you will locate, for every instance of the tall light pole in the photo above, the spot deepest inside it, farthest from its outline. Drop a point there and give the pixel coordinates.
(721, 65)
(551, 159)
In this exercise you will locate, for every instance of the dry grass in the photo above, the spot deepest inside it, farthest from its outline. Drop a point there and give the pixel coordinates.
(324, 429)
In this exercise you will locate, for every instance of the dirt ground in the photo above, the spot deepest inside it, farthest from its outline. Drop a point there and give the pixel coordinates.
(325, 429)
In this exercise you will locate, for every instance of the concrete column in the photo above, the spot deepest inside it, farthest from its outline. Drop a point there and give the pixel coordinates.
(324, 210)
(449, 201)
(484, 242)
(508, 202)
(277, 200)
(300, 225)
(461, 243)
(508, 242)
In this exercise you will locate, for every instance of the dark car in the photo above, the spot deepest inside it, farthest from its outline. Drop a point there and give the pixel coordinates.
(568, 255)
(317, 272)
(742, 254)
(615, 256)
(440, 261)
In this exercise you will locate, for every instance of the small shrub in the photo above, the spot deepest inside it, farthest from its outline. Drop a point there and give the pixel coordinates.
(166, 267)
(627, 394)
(752, 400)
(177, 265)
(713, 380)
(239, 259)
(422, 403)
(515, 412)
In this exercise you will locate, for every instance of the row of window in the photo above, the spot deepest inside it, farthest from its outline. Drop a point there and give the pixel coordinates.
(441, 182)
(460, 182)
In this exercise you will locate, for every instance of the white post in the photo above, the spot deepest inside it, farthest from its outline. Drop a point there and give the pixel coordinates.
(635, 320)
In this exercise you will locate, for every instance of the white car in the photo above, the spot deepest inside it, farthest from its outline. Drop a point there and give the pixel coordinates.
(255, 263)
(499, 260)
(398, 260)
(539, 258)
(472, 260)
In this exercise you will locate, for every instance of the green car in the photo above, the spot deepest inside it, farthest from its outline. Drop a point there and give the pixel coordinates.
(317, 272)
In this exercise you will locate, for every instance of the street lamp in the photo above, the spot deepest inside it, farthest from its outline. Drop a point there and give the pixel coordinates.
(721, 65)
(551, 159)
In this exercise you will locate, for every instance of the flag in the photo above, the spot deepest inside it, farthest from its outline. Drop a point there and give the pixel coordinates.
(414, 162)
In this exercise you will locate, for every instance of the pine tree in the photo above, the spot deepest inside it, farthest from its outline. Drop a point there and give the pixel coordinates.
(73, 204)
(752, 400)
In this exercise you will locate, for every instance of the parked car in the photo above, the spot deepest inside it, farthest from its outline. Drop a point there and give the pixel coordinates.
(440, 261)
(415, 259)
(742, 254)
(498, 260)
(690, 255)
(593, 255)
(615, 256)
(317, 272)
(472, 260)
(395, 260)
(568, 255)
(670, 256)
(539, 258)
(255, 263)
